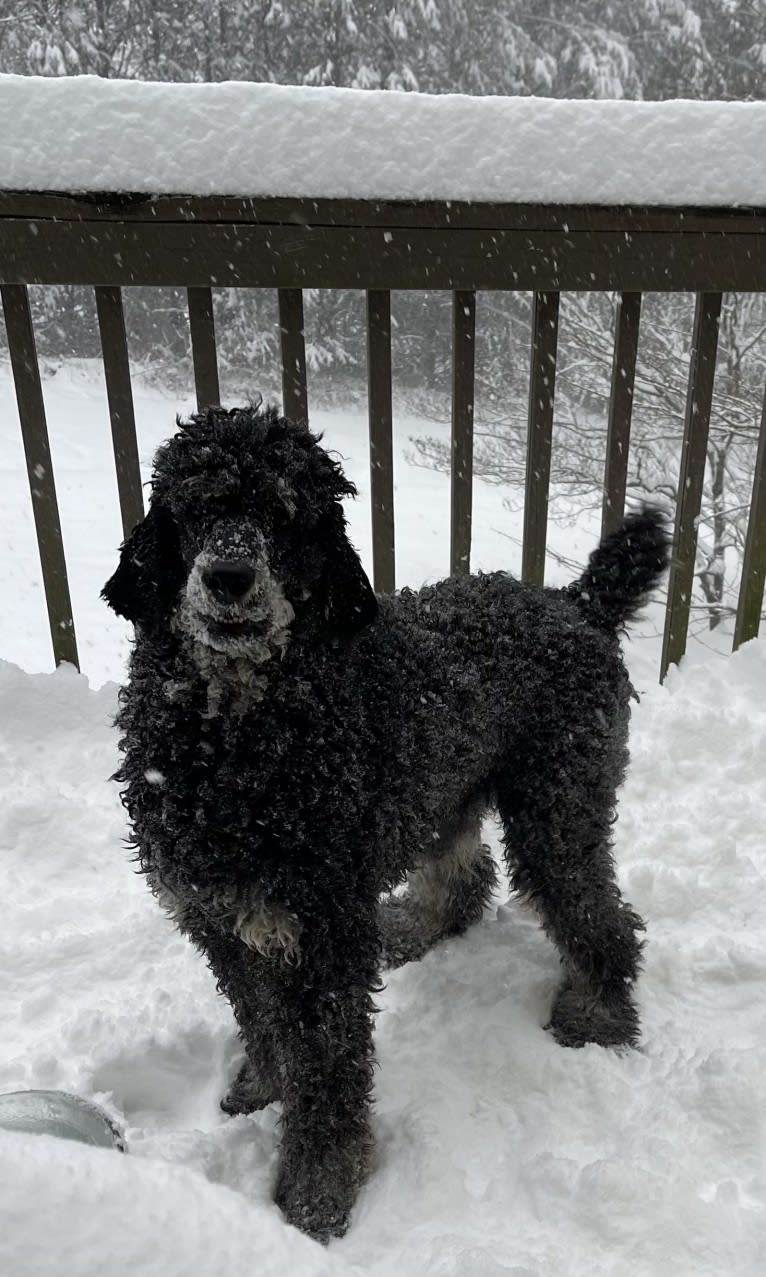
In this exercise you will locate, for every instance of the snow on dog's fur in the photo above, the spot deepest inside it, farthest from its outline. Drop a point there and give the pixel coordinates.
(317, 744)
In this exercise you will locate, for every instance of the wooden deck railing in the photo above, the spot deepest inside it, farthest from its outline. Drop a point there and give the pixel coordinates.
(204, 242)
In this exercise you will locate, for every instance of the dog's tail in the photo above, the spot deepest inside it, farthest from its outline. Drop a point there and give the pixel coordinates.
(621, 572)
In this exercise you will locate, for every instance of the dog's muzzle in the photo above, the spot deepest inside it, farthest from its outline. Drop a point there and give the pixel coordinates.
(232, 603)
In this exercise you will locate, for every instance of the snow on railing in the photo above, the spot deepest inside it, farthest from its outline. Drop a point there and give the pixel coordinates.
(88, 133)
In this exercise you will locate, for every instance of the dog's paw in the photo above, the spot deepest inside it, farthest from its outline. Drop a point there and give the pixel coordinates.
(318, 1220)
(580, 1016)
(248, 1092)
(316, 1204)
(318, 1184)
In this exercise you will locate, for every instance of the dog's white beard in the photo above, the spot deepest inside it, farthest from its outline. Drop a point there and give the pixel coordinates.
(234, 666)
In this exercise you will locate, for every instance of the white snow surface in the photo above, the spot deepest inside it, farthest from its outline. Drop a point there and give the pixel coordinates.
(88, 133)
(498, 1152)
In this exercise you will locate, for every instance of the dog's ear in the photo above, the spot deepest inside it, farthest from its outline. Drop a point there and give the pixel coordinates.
(150, 571)
(347, 598)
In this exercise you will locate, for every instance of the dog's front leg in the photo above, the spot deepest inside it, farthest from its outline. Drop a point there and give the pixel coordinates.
(324, 1043)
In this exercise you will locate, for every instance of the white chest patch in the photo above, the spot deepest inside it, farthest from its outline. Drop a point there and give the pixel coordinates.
(269, 929)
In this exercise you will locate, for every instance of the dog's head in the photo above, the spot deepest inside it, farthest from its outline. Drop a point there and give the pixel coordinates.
(245, 539)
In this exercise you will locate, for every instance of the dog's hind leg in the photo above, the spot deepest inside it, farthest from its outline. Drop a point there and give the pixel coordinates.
(257, 1082)
(253, 1087)
(558, 817)
(239, 974)
(446, 892)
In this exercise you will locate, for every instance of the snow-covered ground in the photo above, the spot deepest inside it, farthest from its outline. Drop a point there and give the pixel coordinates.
(88, 133)
(497, 1151)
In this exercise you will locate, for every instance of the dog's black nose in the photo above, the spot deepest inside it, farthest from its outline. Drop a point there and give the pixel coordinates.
(228, 580)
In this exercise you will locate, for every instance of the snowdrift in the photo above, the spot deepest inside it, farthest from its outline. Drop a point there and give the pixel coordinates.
(498, 1152)
(87, 133)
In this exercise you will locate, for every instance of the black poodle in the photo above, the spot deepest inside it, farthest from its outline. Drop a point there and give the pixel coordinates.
(294, 747)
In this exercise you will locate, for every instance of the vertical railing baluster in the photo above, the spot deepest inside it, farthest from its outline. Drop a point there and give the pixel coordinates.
(381, 438)
(119, 393)
(691, 478)
(34, 430)
(294, 392)
(754, 559)
(620, 411)
(204, 354)
(463, 361)
(542, 383)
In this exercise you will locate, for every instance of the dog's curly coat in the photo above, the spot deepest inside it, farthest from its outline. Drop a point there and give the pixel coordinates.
(294, 747)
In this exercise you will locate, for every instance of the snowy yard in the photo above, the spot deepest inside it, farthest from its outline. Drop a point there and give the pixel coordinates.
(497, 1151)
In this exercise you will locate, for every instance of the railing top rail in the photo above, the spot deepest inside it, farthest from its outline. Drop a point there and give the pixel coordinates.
(201, 241)
(128, 206)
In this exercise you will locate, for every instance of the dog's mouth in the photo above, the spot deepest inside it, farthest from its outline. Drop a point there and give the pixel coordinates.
(251, 636)
(246, 627)
(255, 637)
